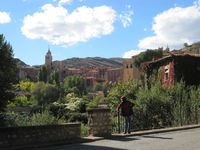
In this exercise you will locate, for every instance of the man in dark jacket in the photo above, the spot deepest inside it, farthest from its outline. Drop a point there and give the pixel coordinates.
(126, 111)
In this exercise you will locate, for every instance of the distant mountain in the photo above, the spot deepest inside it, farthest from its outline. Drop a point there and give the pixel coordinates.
(86, 62)
(93, 62)
(20, 63)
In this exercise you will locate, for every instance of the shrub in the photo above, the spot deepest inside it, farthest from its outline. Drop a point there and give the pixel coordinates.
(84, 130)
(23, 119)
(77, 117)
(154, 107)
(44, 118)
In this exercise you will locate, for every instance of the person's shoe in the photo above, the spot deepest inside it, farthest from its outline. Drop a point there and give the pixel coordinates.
(129, 132)
(125, 132)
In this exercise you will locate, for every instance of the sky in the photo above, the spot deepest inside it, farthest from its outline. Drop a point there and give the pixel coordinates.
(96, 28)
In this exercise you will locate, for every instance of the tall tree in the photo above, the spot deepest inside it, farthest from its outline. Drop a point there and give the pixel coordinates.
(44, 94)
(148, 55)
(42, 76)
(75, 84)
(54, 77)
(8, 72)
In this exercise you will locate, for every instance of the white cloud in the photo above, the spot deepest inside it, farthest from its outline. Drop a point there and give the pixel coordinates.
(174, 27)
(131, 53)
(58, 26)
(126, 17)
(197, 3)
(4, 17)
(62, 2)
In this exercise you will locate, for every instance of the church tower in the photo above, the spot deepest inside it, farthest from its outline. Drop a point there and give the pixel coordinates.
(130, 72)
(48, 60)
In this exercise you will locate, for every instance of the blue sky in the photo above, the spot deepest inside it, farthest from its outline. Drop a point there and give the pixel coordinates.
(90, 28)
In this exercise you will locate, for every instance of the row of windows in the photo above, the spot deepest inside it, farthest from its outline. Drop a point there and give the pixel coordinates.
(129, 66)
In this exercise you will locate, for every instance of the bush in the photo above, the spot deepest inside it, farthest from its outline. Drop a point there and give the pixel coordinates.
(77, 117)
(158, 106)
(18, 101)
(84, 130)
(10, 119)
(128, 89)
(58, 109)
(45, 94)
(44, 118)
(23, 119)
(94, 103)
(154, 107)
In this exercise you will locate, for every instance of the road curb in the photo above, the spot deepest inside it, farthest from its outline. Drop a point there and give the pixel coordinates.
(154, 131)
(139, 133)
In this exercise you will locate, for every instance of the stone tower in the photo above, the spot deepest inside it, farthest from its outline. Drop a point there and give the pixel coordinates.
(48, 60)
(130, 72)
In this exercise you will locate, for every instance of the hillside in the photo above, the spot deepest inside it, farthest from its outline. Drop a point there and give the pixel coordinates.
(93, 62)
(191, 49)
(20, 63)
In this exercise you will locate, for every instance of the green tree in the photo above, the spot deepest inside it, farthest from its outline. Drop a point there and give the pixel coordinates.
(8, 72)
(45, 94)
(75, 103)
(128, 89)
(26, 86)
(74, 84)
(148, 55)
(98, 87)
(18, 101)
(54, 77)
(42, 76)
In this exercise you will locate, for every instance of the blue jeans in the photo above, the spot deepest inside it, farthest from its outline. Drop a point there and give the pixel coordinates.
(127, 124)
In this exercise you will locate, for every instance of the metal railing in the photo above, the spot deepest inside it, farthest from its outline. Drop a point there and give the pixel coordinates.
(119, 123)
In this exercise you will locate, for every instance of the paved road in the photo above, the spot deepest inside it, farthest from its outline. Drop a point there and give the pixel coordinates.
(179, 140)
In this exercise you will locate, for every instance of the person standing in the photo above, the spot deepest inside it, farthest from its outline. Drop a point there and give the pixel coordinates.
(126, 111)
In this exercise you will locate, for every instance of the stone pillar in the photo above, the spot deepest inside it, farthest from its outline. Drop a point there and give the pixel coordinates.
(99, 122)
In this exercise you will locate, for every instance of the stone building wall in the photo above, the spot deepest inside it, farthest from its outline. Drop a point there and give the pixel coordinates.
(28, 72)
(114, 75)
(28, 136)
(99, 121)
(130, 72)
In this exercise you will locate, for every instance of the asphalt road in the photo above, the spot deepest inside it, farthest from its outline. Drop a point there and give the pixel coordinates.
(178, 140)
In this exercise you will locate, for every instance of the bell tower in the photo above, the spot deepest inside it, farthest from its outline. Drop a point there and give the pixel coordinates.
(48, 60)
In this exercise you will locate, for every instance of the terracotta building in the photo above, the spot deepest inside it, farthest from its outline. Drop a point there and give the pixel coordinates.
(92, 75)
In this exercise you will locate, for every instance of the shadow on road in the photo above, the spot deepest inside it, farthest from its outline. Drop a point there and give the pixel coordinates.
(80, 147)
(157, 137)
(124, 138)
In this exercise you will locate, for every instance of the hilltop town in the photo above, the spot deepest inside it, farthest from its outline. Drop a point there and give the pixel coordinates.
(98, 70)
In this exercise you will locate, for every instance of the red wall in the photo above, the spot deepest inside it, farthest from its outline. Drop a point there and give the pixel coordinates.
(168, 78)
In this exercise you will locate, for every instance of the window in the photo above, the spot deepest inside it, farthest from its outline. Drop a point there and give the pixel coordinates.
(166, 72)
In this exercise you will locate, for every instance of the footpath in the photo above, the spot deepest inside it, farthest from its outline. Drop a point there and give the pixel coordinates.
(139, 133)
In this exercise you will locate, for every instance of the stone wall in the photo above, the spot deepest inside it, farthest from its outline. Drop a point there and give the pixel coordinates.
(13, 137)
(130, 72)
(99, 121)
